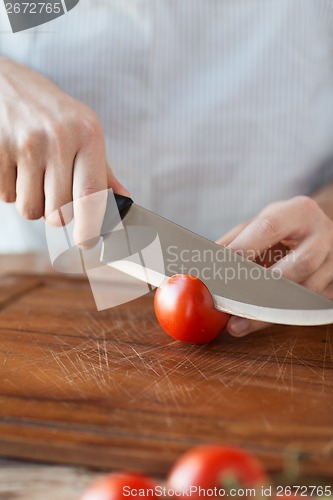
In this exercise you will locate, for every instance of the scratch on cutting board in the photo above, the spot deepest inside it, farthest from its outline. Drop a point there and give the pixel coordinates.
(282, 366)
(103, 359)
(253, 372)
(5, 358)
(310, 366)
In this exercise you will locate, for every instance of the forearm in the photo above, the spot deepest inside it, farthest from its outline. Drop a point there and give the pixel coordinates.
(324, 198)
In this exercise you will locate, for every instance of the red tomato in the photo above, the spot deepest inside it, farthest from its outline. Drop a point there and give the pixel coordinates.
(119, 486)
(185, 310)
(214, 466)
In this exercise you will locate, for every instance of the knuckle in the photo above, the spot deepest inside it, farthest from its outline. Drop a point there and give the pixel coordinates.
(306, 263)
(306, 204)
(31, 142)
(267, 226)
(90, 128)
(5, 149)
(54, 130)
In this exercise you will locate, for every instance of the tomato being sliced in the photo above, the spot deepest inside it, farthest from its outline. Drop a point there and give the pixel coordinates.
(185, 310)
(119, 486)
(215, 466)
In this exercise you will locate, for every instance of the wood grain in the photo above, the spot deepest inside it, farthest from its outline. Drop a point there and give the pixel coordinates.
(110, 390)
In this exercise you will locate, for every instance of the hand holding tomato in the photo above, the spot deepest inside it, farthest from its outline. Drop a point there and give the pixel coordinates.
(185, 310)
(306, 230)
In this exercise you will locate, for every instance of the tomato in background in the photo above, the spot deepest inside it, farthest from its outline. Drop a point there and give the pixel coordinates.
(215, 466)
(185, 310)
(111, 487)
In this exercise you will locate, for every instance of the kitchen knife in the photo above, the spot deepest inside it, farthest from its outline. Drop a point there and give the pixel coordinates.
(152, 248)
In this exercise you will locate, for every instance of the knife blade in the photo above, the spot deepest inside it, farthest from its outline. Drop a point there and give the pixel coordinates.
(152, 248)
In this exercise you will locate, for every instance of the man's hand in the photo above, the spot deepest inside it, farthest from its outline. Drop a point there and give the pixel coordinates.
(299, 226)
(52, 148)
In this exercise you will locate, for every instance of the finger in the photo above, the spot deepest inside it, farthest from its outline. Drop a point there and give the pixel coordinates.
(115, 185)
(58, 184)
(89, 192)
(320, 279)
(276, 223)
(231, 235)
(30, 190)
(239, 327)
(299, 264)
(328, 291)
(7, 178)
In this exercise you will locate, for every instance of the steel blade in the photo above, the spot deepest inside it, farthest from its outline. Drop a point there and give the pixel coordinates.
(152, 248)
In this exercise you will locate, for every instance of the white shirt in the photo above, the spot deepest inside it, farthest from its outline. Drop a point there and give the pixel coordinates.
(211, 108)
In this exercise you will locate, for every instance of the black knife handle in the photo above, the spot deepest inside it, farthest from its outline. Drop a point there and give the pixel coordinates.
(123, 203)
(111, 219)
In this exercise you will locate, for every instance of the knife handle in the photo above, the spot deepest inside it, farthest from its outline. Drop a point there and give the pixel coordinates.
(111, 219)
(123, 203)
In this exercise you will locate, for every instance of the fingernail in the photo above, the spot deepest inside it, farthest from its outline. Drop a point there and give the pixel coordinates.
(239, 326)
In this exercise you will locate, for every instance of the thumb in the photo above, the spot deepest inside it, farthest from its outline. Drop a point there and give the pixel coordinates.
(239, 327)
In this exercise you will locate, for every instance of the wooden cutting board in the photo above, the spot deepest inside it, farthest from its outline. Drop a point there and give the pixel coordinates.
(111, 390)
